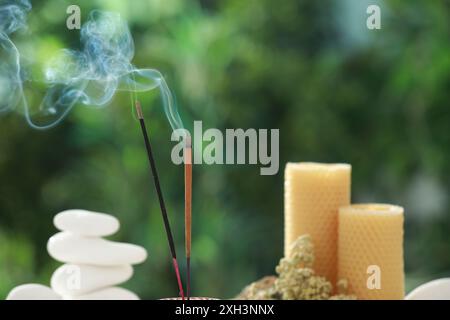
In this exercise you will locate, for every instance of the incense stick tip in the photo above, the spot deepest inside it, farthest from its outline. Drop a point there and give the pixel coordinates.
(139, 110)
(188, 142)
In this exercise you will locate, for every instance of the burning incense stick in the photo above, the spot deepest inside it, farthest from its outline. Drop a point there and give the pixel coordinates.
(188, 209)
(160, 196)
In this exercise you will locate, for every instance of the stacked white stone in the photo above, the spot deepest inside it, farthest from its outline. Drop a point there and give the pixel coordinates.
(94, 267)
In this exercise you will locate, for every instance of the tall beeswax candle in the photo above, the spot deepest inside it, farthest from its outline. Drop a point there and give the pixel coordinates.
(370, 250)
(313, 194)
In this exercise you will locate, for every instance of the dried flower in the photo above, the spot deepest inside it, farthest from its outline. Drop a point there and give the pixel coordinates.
(296, 279)
(263, 289)
(342, 291)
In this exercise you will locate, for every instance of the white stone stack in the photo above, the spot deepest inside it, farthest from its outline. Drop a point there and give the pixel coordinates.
(93, 267)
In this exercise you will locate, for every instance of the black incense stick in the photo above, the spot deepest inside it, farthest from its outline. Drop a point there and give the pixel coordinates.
(160, 196)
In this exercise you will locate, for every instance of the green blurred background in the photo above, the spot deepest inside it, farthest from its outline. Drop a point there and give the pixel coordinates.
(337, 91)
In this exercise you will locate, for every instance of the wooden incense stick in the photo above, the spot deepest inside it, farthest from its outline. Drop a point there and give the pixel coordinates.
(160, 196)
(188, 210)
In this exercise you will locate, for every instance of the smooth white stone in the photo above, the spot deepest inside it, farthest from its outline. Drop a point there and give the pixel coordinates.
(32, 292)
(73, 279)
(434, 290)
(86, 223)
(112, 293)
(70, 248)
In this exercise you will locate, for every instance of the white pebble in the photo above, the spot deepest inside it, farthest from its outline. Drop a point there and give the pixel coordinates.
(73, 279)
(86, 223)
(434, 290)
(112, 293)
(70, 248)
(32, 292)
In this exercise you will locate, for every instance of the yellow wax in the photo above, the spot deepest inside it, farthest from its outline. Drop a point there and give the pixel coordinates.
(313, 194)
(371, 246)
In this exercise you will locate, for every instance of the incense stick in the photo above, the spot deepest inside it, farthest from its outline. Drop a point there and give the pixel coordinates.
(160, 196)
(188, 210)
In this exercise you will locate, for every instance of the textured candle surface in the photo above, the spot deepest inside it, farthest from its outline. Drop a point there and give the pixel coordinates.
(313, 194)
(370, 249)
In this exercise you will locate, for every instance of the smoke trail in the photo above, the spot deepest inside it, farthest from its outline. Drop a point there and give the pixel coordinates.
(12, 18)
(90, 76)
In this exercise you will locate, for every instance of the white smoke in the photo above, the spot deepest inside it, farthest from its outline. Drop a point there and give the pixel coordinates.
(90, 76)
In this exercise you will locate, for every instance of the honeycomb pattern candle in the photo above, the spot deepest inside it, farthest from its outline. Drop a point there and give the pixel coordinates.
(313, 194)
(371, 250)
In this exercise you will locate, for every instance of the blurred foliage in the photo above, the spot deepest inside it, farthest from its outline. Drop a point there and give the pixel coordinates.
(338, 92)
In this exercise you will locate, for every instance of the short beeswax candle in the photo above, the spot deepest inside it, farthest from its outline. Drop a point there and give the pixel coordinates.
(370, 250)
(313, 194)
